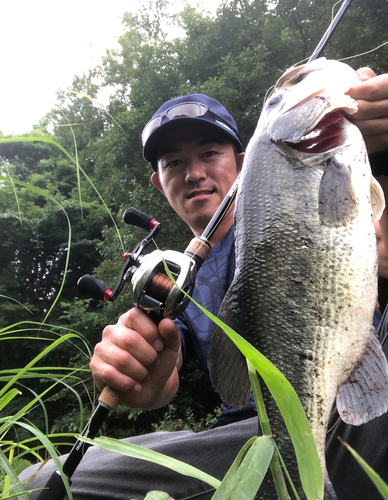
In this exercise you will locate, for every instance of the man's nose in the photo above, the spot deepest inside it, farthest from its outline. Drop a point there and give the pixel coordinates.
(195, 170)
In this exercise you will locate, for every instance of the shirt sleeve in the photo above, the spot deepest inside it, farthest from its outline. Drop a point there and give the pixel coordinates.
(379, 163)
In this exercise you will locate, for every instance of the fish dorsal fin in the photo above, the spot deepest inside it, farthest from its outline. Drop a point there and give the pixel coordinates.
(377, 198)
(227, 365)
(337, 202)
(364, 395)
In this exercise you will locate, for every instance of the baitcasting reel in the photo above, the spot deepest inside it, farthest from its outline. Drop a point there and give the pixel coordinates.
(153, 290)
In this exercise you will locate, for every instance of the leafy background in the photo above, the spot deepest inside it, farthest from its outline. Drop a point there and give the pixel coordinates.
(235, 57)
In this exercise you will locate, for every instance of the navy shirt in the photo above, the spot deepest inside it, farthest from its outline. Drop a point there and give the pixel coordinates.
(212, 282)
(196, 329)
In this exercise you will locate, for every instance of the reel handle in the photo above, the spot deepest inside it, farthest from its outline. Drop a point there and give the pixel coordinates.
(94, 288)
(136, 218)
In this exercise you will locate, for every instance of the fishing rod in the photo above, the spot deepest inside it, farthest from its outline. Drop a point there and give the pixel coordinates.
(330, 30)
(317, 52)
(153, 291)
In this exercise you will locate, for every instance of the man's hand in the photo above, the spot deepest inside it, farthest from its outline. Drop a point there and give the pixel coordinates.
(372, 115)
(139, 359)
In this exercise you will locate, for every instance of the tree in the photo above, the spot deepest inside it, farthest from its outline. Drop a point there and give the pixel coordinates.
(234, 57)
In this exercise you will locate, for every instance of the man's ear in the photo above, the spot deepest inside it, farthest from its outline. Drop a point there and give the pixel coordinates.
(156, 181)
(240, 161)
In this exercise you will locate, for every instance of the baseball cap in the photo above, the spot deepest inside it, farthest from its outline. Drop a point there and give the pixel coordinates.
(184, 109)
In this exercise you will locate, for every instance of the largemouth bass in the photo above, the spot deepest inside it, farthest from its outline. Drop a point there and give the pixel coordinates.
(305, 286)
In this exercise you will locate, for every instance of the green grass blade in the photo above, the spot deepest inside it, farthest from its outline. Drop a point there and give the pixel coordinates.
(17, 302)
(237, 461)
(14, 192)
(6, 466)
(40, 192)
(275, 466)
(6, 331)
(4, 400)
(95, 102)
(35, 360)
(73, 160)
(76, 164)
(286, 473)
(243, 481)
(49, 447)
(157, 495)
(377, 481)
(134, 451)
(291, 409)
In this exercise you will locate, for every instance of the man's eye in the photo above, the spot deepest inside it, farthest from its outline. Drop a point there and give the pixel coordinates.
(209, 154)
(172, 163)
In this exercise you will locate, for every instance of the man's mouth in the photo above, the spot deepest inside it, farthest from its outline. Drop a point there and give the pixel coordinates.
(201, 192)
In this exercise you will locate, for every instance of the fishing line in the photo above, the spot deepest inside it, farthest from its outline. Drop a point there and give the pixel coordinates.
(363, 53)
(332, 12)
(328, 33)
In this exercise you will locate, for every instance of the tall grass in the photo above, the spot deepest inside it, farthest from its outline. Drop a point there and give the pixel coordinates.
(17, 452)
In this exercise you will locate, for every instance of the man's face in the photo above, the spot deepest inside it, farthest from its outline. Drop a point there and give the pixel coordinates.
(196, 168)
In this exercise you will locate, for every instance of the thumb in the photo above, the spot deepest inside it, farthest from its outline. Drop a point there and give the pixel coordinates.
(169, 334)
(366, 74)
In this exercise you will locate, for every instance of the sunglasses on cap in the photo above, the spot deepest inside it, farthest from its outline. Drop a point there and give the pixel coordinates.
(182, 110)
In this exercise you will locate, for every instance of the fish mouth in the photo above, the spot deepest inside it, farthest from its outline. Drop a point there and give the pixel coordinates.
(326, 135)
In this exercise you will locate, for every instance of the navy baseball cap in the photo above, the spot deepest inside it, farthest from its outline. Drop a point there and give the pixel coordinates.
(173, 113)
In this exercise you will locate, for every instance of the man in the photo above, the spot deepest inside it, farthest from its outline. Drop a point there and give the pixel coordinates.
(194, 148)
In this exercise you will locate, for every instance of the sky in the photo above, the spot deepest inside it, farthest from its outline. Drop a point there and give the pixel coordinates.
(44, 43)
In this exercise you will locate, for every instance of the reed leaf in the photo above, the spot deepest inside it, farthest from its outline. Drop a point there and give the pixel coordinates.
(134, 451)
(245, 476)
(40, 192)
(4, 400)
(50, 449)
(74, 161)
(157, 495)
(6, 466)
(377, 481)
(22, 371)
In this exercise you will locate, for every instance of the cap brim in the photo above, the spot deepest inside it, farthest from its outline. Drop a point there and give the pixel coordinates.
(150, 150)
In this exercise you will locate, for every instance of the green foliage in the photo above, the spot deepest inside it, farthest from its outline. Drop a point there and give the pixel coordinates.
(171, 422)
(247, 472)
(19, 401)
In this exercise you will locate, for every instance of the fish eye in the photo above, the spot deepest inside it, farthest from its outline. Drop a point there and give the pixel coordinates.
(274, 100)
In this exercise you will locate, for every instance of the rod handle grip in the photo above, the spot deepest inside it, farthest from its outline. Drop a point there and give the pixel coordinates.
(110, 397)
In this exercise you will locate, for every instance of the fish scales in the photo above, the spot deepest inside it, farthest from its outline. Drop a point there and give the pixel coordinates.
(305, 286)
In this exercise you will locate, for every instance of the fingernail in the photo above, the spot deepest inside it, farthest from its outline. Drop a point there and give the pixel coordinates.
(137, 388)
(158, 345)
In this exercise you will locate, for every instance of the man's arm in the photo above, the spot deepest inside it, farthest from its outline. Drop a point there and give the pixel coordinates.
(139, 359)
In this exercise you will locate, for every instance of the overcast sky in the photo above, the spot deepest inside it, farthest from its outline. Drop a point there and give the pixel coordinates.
(44, 43)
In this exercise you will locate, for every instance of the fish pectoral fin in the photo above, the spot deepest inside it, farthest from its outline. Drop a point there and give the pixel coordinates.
(377, 198)
(337, 202)
(364, 395)
(227, 365)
